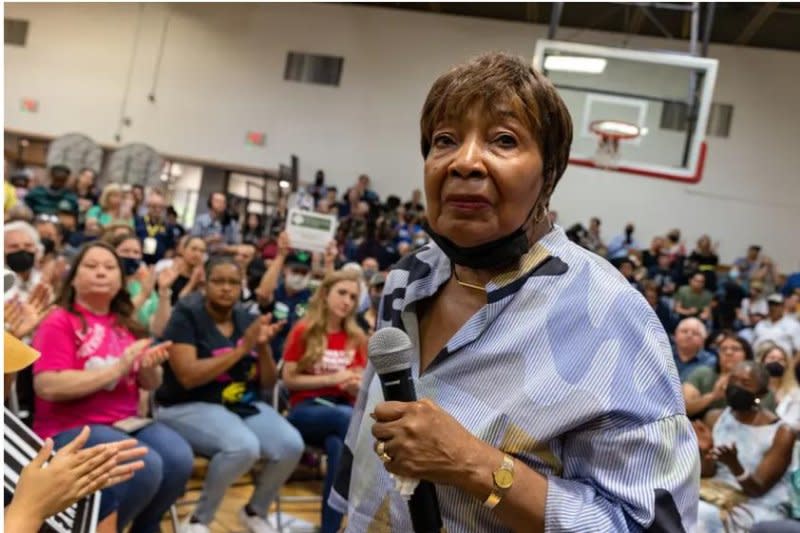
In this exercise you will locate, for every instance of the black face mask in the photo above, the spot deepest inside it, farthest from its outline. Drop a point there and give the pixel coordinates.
(130, 265)
(775, 369)
(49, 245)
(740, 399)
(497, 253)
(21, 261)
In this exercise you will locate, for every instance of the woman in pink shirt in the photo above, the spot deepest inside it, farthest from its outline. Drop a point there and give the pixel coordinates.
(90, 372)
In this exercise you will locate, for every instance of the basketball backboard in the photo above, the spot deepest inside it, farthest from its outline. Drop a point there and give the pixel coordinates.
(667, 95)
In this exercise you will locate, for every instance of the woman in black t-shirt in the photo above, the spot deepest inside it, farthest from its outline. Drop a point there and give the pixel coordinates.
(220, 360)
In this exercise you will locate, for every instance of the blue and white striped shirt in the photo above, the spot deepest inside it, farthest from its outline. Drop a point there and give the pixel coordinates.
(568, 370)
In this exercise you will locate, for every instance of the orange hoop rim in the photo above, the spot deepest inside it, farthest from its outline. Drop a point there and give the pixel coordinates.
(598, 127)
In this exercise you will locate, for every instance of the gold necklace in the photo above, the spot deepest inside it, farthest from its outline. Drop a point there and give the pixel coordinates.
(467, 285)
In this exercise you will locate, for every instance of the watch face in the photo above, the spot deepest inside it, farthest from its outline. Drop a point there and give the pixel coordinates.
(503, 479)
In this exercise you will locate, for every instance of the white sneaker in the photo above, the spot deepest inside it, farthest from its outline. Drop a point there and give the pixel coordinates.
(255, 524)
(188, 527)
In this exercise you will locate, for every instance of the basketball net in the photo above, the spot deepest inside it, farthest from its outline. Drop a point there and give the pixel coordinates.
(607, 153)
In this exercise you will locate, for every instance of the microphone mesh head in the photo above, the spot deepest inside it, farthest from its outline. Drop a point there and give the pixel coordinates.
(390, 350)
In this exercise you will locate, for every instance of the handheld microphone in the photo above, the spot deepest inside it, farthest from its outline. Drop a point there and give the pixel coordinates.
(390, 352)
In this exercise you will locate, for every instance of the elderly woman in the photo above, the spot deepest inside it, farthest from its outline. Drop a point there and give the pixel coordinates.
(747, 450)
(111, 209)
(549, 400)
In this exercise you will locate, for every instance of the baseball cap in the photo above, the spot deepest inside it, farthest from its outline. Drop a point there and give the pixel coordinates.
(775, 299)
(299, 259)
(377, 279)
(67, 206)
(16, 354)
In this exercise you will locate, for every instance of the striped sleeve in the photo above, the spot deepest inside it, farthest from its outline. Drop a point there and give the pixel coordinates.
(642, 478)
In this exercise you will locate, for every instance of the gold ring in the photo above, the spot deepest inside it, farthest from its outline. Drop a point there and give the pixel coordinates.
(380, 449)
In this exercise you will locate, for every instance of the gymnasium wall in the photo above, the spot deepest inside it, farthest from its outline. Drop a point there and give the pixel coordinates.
(222, 70)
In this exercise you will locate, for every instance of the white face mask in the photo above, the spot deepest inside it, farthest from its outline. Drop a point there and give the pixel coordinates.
(297, 282)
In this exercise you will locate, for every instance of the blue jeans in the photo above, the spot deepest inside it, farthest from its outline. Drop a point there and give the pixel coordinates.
(233, 445)
(145, 498)
(325, 427)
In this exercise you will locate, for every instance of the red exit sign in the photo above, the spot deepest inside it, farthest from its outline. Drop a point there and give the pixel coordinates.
(256, 138)
(29, 105)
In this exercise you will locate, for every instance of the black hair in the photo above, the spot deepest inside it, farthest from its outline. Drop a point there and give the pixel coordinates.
(221, 259)
(731, 335)
(121, 305)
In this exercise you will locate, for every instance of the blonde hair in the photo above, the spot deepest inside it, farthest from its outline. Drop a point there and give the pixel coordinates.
(315, 337)
(789, 381)
(108, 190)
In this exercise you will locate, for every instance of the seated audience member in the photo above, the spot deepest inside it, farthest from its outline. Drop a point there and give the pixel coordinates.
(137, 200)
(628, 271)
(747, 451)
(254, 270)
(674, 247)
(219, 362)
(155, 233)
(703, 259)
(593, 240)
(754, 304)
(253, 230)
(364, 301)
(90, 373)
(70, 475)
(22, 248)
(19, 212)
(178, 231)
(767, 273)
(688, 352)
(415, 205)
(86, 192)
(324, 357)
(284, 291)
(189, 265)
(792, 285)
(662, 309)
(622, 245)
(651, 255)
(693, 300)
(778, 327)
(45, 200)
(151, 293)
(217, 227)
(704, 389)
(782, 383)
(68, 218)
(369, 318)
(746, 266)
(91, 231)
(111, 209)
(50, 235)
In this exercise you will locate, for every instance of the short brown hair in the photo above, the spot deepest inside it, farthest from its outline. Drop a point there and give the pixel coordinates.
(496, 79)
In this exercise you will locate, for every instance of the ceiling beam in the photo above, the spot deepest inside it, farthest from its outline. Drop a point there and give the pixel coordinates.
(636, 21)
(532, 11)
(756, 23)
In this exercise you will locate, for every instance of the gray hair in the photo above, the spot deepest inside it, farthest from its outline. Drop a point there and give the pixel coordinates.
(21, 225)
(698, 323)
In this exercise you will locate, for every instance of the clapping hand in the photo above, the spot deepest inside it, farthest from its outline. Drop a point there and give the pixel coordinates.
(73, 473)
(261, 331)
(21, 318)
(155, 355)
(727, 455)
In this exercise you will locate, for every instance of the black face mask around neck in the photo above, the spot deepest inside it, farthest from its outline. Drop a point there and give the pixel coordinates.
(498, 253)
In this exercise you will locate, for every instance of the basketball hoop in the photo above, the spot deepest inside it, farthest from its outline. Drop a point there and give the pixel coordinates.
(609, 133)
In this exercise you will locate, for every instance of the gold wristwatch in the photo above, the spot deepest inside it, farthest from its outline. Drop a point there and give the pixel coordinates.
(502, 479)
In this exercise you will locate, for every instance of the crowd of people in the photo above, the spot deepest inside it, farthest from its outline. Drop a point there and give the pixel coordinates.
(154, 331)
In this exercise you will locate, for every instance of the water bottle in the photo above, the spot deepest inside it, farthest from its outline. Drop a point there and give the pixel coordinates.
(795, 482)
